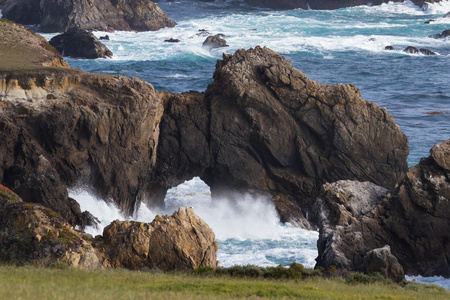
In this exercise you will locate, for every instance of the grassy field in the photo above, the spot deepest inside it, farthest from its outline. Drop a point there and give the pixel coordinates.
(66, 283)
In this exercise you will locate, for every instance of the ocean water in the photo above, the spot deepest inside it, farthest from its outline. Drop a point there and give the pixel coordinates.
(340, 46)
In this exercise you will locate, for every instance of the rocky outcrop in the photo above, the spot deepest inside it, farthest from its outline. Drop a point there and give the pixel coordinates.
(215, 41)
(382, 261)
(182, 241)
(443, 35)
(32, 233)
(101, 15)
(447, 15)
(77, 42)
(413, 219)
(273, 130)
(324, 4)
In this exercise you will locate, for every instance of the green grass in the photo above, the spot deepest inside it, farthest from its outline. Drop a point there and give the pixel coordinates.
(28, 282)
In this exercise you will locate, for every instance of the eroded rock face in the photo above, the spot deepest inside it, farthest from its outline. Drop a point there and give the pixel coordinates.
(412, 219)
(80, 43)
(215, 41)
(273, 130)
(101, 15)
(443, 35)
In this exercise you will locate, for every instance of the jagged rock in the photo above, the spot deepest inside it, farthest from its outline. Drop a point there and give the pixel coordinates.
(382, 261)
(443, 35)
(182, 241)
(273, 130)
(77, 42)
(105, 38)
(413, 220)
(342, 210)
(447, 15)
(388, 48)
(101, 15)
(429, 21)
(215, 41)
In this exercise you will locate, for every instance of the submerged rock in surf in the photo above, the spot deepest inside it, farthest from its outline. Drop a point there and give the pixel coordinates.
(215, 41)
(443, 35)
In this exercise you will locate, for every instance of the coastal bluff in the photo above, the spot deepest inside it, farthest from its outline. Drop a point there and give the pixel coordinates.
(261, 128)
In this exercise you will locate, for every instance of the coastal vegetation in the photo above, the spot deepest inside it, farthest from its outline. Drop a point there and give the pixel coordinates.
(62, 282)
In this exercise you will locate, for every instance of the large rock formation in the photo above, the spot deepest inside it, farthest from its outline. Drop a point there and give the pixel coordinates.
(325, 4)
(102, 15)
(77, 42)
(275, 131)
(413, 219)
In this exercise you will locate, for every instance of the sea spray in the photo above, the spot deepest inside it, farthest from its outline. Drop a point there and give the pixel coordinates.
(248, 228)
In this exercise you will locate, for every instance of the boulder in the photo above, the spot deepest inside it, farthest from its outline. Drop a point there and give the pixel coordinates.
(101, 15)
(443, 35)
(215, 41)
(77, 42)
(182, 241)
(389, 48)
(382, 261)
(105, 38)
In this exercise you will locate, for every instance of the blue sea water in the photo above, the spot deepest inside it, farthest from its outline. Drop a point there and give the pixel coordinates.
(340, 46)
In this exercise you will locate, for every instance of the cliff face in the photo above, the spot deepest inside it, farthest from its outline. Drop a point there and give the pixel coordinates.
(103, 15)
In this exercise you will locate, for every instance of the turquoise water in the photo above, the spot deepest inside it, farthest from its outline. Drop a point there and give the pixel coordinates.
(341, 46)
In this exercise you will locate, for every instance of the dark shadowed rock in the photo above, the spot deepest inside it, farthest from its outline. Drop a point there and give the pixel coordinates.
(411, 49)
(389, 48)
(106, 38)
(80, 43)
(426, 51)
(382, 261)
(215, 41)
(429, 21)
(447, 15)
(102, 15)
(413, 220)
(443, 35)
(172, 40)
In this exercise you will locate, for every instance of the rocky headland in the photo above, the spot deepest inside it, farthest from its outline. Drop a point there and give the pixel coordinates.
(325, 156)
(101, 15)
